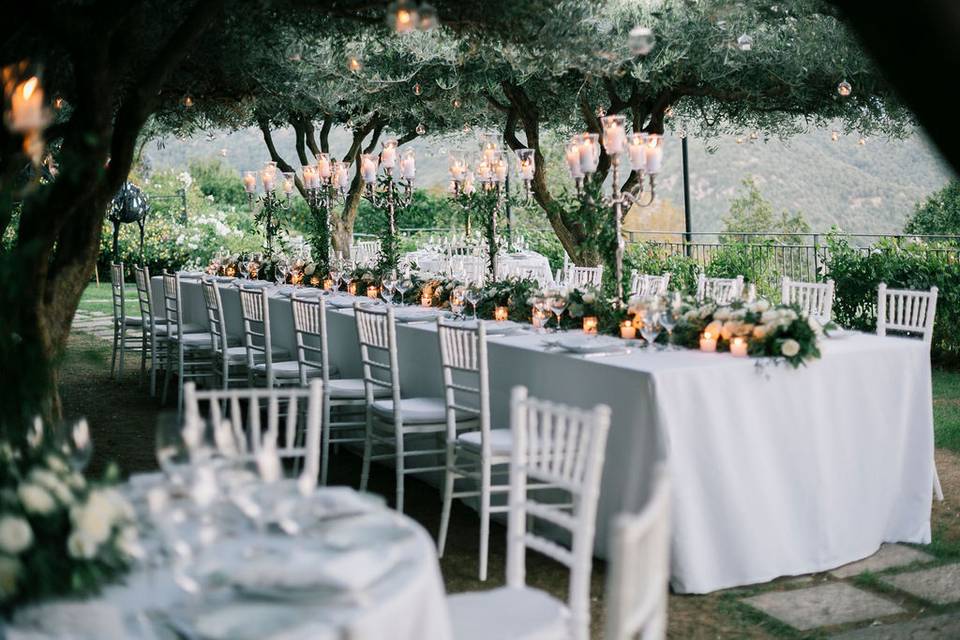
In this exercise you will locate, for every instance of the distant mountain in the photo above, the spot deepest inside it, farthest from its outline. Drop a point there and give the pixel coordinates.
(869, 188)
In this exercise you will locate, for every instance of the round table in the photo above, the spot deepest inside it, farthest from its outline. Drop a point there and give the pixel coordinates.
(361, 571)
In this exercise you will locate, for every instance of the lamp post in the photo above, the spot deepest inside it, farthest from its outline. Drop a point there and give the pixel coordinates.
(645, 156)
(394, 189)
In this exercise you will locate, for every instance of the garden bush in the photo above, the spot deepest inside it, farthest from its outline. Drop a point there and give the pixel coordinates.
(653, 260)
(857, 274)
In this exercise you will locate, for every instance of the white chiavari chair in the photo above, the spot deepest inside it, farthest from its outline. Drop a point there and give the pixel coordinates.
(266, 365)
(578, 277)
(229, 359)
(343, 398)
(246, 419)
(638, 574)
(122, 323)
(154, 327)
(471, 455)
(720, 290)
(189, 350)
(391, 422)
(562, 447)
(645, 285)
(814, 298)
(909, 312)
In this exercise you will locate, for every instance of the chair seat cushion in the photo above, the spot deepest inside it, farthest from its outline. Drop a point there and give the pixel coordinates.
(195, 340)
(238, 355)
(505, 613)
(161, 328)
(286, 369)
(417, 410)
(133, 321)
(501, 441)
(352, 388)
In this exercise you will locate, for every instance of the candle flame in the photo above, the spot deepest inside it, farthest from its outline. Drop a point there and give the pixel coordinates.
(29, 86)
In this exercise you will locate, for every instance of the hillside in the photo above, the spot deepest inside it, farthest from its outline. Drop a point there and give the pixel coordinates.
(861, 188)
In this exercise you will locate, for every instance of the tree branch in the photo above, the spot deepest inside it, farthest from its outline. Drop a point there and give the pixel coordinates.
(325, 133)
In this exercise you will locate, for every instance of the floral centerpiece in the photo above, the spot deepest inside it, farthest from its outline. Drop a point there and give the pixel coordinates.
(59, 534)
(780, 331)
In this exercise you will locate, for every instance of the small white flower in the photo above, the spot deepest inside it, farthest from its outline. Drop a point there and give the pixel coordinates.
(9, 573)
(770, 315)
(760, 332)
(57, 464)
(95, 518)
(761, 305)
(589, 298)
(722, 314)
(790, 348)
(35, 499)
(309, 269)
(15, 535)
(81, 545)
(128, 541)
(76, 481)
(706, 311)
(815, 326)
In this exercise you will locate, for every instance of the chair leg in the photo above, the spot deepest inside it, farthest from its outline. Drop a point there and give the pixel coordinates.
(367, 452)
(325, 441)
(484, 518)
(143, 357)
(400, 473)
(937, 489)
(166, 374)
(448, 483)
(123, 346)
(180, 384)
(113, 357)
(154, 363)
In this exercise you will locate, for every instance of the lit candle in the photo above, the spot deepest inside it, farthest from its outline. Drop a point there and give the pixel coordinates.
(636, 149)
(539, 318)
(249, 181)
(708, 342)
(468, 186)
(587, 152)
(26, 106)
(342, 176)
(525, 163)
(268, 177)
(738, 347)
(373, 292)
(309, 176)
(654, 154)
(614, 134)
(368, 168)
(573, 159)
(288, 183)
(426, 300)
(388, 157)
(328, 284)
(352, 288)
(408, 165)
(590, 325)
(457, 167)
(500, 171)
(323, 165)
(500, 314)
(627, 330)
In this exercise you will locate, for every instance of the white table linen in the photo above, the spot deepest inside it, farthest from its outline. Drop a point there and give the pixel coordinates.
(775, 471)
(520, 263)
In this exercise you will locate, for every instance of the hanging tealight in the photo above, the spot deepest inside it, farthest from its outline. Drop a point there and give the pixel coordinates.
(844, 88)
(739, 140)
(862, 141)
(417, 89)
(641, 41)
(754, 136)
(466, 128)
(745, 42)
(354, 65)
(601, 112)
(187, 101)
(456, 103)
(681, 133)
(421, 129)
(834, 135)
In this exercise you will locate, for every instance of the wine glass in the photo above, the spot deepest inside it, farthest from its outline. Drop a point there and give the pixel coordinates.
(456, 300)
(542, 307)
(173, 453)
(402, 285)
(558, 302)
(651, 327)
(472, 296)
(387, 284)
(670, 316)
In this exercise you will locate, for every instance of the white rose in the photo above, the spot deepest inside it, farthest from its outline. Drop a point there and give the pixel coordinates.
(43, 478)
(706, 311)
(36, 499)
(15, 535)
(310, 268)
(9, 572)
(723, 313)
(57, 464)
(790, 348)
(692, 314)
(95, 518)
(589, 298)
(128, 541)
(760, 332)
(770, 315)
(815, 326)
(76, 481)
(761, 305)
(81, 545)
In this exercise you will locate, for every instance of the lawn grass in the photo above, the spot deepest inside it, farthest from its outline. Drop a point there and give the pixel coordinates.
(99, 298)
(946, 408)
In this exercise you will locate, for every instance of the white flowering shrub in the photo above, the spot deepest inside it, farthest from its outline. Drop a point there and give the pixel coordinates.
(60, 534)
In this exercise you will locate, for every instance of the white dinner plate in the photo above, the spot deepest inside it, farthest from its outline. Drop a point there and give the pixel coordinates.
(588, 344)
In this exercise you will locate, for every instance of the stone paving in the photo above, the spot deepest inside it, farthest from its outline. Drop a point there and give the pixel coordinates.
(94, 323)
(901, 597)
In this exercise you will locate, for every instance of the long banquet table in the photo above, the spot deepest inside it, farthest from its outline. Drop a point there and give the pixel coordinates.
(775, 471)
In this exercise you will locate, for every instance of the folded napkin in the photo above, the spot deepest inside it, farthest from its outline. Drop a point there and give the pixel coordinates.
(90, 620)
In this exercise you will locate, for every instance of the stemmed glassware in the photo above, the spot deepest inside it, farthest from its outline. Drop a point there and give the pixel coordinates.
(472, 296)
(671, 315)
(558, 302)
(651, 326)
(335, 274)
(282, 269)
(542, 308)
(456, 300)
(402, 285)
(387, 283)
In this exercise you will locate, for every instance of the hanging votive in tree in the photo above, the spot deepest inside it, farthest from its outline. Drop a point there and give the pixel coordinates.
(421, 129)
(844, 89)
(417, 89)
(641, 41)
(834, 135)
(456, 103)
(745, 42)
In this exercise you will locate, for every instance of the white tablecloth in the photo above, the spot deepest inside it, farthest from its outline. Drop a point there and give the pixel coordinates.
(406, 599)
(775, 471)
(524, 264)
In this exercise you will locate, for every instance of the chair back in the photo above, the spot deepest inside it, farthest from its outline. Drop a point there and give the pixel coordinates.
(563, 447)
(815, 299)
(249, 419)
(720, 290)
(645, 285)
(377, 334)
(218, 325)
(255, 308)
(905, 310)
(639, 570)
(310, 327)
(466, 381)
(116, 289)
(172, 311)
(579, 277)
(144, 296)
